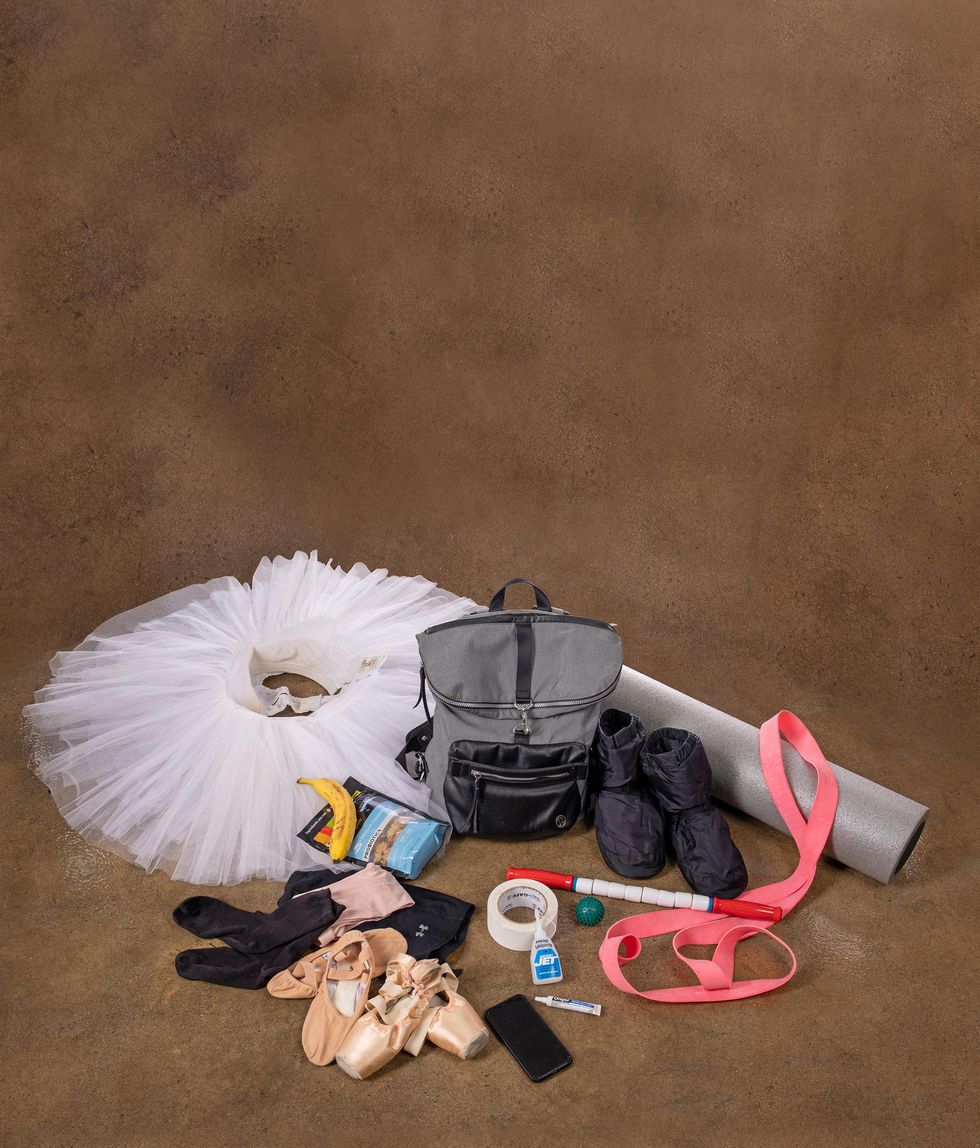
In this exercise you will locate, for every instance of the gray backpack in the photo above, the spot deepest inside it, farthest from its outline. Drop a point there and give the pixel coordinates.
(518, 695)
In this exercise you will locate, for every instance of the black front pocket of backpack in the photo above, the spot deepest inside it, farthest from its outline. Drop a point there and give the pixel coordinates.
(500, 789)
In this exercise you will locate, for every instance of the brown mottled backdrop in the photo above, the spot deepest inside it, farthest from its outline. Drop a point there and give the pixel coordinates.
(670, 305)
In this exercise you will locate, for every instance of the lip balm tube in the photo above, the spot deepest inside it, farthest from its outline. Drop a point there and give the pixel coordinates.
(571, 1005)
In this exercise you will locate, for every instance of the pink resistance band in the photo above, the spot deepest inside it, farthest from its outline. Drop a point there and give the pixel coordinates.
(691, 928)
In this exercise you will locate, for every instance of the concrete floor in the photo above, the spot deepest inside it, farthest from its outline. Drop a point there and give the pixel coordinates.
(670, 305)
(869, 1044)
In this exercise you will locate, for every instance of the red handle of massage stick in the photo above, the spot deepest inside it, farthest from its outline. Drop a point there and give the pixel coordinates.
(751, 909)
(545, 876)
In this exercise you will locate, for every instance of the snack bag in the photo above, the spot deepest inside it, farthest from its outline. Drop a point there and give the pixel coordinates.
(390, 834)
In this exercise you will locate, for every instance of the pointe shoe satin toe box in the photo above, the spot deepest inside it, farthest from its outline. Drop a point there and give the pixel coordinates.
(417, 1002)
(458, 1029)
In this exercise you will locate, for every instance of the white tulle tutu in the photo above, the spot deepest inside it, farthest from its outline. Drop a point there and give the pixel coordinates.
(157, 737)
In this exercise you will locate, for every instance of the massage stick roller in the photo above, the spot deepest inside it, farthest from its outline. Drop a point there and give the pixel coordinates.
(662, 898)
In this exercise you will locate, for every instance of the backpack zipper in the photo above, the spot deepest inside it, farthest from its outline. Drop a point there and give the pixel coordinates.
(522, 707)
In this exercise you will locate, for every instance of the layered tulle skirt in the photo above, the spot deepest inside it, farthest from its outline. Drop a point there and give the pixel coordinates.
(160, 740)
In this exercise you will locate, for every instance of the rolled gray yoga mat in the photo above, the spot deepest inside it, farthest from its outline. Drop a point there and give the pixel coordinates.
(875, 829)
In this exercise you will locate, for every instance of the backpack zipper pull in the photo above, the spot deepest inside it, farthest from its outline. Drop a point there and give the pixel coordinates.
(523, 728)
(475, 807)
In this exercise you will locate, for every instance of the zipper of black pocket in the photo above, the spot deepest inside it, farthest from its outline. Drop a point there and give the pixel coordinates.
(477, 776)
(475, 807)
(565, 775)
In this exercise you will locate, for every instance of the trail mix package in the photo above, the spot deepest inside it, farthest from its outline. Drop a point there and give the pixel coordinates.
(389, 833)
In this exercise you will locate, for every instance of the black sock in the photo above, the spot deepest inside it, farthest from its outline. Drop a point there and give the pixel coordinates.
(434, 926)
(257, 932)
(224, 966)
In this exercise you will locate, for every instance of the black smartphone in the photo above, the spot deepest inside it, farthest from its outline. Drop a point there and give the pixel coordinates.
(517, 1025)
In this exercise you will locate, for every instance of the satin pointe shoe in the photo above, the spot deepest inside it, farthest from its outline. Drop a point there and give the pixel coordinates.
(450, 1021)
(391, 1017)
(676, 767)
(346, 971)
(302, 978)
(629, 826)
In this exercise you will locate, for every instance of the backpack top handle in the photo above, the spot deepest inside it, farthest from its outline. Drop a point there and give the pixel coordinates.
(541, 601)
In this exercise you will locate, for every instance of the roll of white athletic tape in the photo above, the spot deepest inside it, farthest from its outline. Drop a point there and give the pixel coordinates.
(519, 935)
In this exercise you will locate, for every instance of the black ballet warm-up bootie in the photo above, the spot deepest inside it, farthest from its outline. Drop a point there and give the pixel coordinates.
(629, 826)
(676, 767)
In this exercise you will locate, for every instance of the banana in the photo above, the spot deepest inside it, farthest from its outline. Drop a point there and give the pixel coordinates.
(344, 813)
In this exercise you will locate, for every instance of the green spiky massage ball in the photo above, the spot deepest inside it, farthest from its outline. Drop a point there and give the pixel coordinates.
(589, 911)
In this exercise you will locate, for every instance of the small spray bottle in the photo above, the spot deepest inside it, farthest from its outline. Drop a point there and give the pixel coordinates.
(545, 963)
